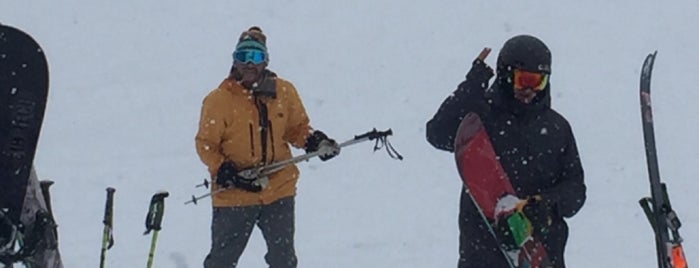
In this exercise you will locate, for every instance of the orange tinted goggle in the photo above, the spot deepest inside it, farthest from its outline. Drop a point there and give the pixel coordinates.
(533, 80)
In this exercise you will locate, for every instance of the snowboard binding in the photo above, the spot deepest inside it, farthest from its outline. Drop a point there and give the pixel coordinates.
(18, 243)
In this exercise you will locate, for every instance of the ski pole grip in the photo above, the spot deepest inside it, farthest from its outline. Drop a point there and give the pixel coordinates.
(108, 208)
(159, 197)
(154, 217)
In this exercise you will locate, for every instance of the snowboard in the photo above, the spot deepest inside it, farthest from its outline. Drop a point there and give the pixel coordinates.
(488, 185)
(24, 83)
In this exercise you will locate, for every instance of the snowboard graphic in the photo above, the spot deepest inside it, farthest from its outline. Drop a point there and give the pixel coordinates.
(488, 185)
(24, 83)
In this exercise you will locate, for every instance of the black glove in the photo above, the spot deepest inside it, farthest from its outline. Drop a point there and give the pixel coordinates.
(541, 213)
(318, 141)
(228, 176)
(480, 70)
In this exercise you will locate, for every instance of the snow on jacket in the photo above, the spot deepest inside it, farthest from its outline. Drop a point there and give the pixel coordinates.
(230, 129)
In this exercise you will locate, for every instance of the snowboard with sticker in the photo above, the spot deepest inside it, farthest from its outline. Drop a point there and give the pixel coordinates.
(488, 185)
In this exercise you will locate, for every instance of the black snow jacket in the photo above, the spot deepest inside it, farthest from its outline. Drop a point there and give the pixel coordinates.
(536, 147)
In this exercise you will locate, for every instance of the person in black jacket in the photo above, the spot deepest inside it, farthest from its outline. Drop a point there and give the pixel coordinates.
(534, 143)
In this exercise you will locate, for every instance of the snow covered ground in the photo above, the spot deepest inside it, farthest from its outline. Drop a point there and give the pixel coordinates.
(128, 77)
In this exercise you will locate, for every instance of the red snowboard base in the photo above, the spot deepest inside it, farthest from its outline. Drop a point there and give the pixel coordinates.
(487, 182)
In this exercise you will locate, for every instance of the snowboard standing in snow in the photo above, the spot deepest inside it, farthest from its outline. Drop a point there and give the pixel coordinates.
(23, 198)
(24, 83)
(657, 208)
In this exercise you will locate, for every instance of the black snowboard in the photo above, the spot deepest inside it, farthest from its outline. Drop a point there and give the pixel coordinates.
(24, 84)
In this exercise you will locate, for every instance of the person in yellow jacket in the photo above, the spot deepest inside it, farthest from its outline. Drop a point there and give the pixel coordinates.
(248, 121)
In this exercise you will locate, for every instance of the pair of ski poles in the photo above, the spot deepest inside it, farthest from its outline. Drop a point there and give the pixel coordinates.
(154, 219)
(262, 172)
(155, 212)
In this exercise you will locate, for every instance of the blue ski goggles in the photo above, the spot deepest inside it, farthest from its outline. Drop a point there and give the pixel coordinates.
(254, 56)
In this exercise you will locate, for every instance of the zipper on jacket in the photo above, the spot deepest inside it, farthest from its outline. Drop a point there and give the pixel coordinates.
(271, 138)
(264, 124)
(252, 141)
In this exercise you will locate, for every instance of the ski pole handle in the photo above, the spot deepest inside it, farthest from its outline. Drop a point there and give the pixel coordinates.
(108, 208)
(107, 237)
(154, 217)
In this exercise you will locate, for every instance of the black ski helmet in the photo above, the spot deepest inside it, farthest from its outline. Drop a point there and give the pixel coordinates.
(524, 52)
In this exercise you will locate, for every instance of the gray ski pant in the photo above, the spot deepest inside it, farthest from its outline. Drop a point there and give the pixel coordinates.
(231, 228)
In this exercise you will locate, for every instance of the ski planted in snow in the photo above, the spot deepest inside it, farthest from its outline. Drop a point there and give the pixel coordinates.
(657, 208)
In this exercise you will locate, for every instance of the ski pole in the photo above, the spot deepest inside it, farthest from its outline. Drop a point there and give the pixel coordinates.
(107, 236)
(371, 135)
(266, 170)
(154, 219)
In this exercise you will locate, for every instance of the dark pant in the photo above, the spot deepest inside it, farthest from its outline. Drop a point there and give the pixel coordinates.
(231, 228)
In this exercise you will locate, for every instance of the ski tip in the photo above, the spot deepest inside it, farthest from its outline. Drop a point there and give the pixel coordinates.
(646, 70)
(110, 190)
